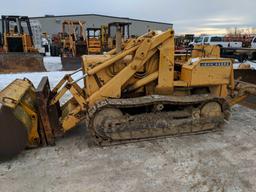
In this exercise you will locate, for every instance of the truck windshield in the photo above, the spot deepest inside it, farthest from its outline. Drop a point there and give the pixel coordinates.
(198, 39)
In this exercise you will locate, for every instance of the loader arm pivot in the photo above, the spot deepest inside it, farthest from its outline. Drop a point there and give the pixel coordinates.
(148, 47)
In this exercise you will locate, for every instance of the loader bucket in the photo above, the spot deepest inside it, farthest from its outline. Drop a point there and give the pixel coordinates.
(249, 76)
(15, 121)
(71, 63)
(21, 62)
(13, 134)
(26, 119)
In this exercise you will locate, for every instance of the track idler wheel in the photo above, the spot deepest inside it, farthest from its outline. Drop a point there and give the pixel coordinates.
(211, 109)
(13, 134)
(103, 121)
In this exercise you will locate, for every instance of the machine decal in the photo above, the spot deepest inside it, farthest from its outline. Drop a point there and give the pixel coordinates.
(217, 64)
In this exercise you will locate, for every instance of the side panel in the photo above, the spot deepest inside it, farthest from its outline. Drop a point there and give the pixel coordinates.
(207, 72)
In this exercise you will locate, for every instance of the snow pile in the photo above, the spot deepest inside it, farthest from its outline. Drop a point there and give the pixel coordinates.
(52, 63)
(53, 66)
(35, 78)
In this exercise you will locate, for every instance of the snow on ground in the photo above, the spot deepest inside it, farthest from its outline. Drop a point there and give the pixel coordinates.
(54, 77)
(52, 63)
(54, 73)
(35, 78)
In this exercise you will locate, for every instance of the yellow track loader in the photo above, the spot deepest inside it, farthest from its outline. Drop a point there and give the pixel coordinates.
(118, 33)
(94, 41)
(132, 95)
(73, 44)
(18, 51)
(108, 37)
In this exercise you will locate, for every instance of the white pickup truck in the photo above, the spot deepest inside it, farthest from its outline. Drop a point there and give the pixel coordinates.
(215, 40)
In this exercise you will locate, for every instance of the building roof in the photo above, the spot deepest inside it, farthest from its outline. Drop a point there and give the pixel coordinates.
(99, 15)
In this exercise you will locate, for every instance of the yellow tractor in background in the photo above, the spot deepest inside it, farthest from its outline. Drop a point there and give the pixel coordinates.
(94, 41)
(18, 53)
(98, 41)
(118, 33)
(73, 43)
(108, 37)
(138, 93)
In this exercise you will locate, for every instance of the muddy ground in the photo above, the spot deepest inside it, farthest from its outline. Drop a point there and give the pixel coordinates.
(220, 161)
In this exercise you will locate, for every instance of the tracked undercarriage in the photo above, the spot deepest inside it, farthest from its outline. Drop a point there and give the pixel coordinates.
(128, 120)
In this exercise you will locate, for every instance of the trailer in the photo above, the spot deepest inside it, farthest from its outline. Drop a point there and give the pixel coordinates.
(241, 54)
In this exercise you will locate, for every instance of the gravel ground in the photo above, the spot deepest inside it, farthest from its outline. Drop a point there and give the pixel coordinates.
(220, 161)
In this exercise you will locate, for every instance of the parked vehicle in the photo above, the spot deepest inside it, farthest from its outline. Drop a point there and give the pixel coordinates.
(215, 40)
(242, 54)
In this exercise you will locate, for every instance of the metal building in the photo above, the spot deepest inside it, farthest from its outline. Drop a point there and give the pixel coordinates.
(52, 24)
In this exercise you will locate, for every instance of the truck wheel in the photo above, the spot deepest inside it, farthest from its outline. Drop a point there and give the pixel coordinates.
(243, 58)
(52, 50)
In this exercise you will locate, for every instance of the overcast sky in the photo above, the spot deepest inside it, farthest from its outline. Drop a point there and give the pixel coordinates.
(188, 16)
